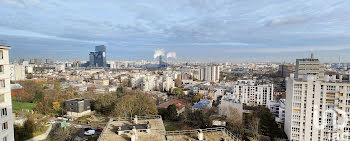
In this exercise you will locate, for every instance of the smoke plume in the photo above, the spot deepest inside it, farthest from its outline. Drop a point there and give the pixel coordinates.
(158, 52)
(171, 55)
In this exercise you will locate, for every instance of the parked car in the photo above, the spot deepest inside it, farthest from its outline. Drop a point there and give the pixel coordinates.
(99, 129)
(89, 132)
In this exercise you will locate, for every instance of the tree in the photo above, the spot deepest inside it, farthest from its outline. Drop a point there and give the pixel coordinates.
(197, 97)
(178, 92)
(38, 96)
(56, 106)
(136, 103)
(171, 112)
(61, 134)
(29, 128)
(105, 104)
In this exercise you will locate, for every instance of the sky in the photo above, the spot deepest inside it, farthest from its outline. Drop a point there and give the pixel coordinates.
(203, 30)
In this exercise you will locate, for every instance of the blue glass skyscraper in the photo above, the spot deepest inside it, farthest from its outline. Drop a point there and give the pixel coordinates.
(98, 58)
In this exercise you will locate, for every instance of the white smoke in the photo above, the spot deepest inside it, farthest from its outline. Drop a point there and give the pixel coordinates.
(158, 52)
(171, 55)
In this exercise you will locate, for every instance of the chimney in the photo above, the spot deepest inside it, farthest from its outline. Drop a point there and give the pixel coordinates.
(312, 56)
(135, 119)
(340, 78)
(200, 135)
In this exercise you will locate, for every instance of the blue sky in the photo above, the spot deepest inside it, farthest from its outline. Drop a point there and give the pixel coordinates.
(214, 30)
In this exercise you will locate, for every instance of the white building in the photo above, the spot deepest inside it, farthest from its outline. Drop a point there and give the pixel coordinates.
(17, 72)
(251, 94)
(6, 118)
(308, 99)
(309, 66)
(277, 108)
(210, 73)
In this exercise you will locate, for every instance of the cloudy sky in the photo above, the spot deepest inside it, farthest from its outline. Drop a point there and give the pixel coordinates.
(214, 30)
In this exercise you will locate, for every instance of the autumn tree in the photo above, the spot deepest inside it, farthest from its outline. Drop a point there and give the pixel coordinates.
(135, 104)
(105, 104)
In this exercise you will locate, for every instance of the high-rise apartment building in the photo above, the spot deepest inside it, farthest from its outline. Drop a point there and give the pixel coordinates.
(17, 72)
(312, 103)
(249, 93)
(309, 66)
(98, 58)
(210, 73)
(6, 119)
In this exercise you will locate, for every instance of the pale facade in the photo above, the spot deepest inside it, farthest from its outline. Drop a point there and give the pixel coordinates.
(6, 119)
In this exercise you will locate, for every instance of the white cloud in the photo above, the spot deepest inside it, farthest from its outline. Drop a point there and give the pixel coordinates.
(284, 21)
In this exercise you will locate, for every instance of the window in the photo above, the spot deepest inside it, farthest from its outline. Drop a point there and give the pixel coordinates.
(4, 112)
(2, 83)
(4, 139)
(2, 98)
(1, 54)
(5, 126)
(1, 68)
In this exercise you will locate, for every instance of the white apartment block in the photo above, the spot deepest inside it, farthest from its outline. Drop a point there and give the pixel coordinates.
(277, 108)
(308, 99)
(210, 73)
(17, 72)
(6, 118)
(252, 94)
(309, 66)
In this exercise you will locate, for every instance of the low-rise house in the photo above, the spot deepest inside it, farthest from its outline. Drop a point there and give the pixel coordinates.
(202, 104)
(17, 90)
(77, 107)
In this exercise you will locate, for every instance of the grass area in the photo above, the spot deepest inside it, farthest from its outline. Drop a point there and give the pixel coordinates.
(83, 117)
(18, 106)
(173, 126)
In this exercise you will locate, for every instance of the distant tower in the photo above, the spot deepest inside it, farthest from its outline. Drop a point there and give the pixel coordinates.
(312, 56)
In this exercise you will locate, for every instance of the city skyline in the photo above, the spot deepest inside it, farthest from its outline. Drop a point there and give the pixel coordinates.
(235, 31)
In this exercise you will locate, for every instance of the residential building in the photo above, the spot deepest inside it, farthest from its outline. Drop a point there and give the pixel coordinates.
(309, 66)
(6, 118)
(17, 90)
(277, 108)
(151, 128)
(249, 93)
(77, 107)
(210, 73)
(17, 72)
(313, 105)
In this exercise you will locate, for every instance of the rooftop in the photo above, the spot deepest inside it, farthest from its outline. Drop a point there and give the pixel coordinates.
(151, 128)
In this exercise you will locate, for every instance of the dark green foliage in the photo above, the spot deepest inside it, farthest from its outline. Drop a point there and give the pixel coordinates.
(26, 131)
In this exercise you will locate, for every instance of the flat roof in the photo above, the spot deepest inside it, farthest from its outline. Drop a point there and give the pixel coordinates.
(5, 47)
(157, 131)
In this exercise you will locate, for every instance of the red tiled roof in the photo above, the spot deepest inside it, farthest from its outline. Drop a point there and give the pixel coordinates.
(175, 102)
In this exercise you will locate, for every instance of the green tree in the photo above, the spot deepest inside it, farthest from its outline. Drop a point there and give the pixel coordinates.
(171, 112)
(29, 128)
(178, 91)
(38, 96)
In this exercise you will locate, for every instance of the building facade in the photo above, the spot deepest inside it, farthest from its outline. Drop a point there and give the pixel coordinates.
(98, 58)
(6, 118)
(251, 94)
(17, 72)
(210, 73)
(309, 66)
(313, 105)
